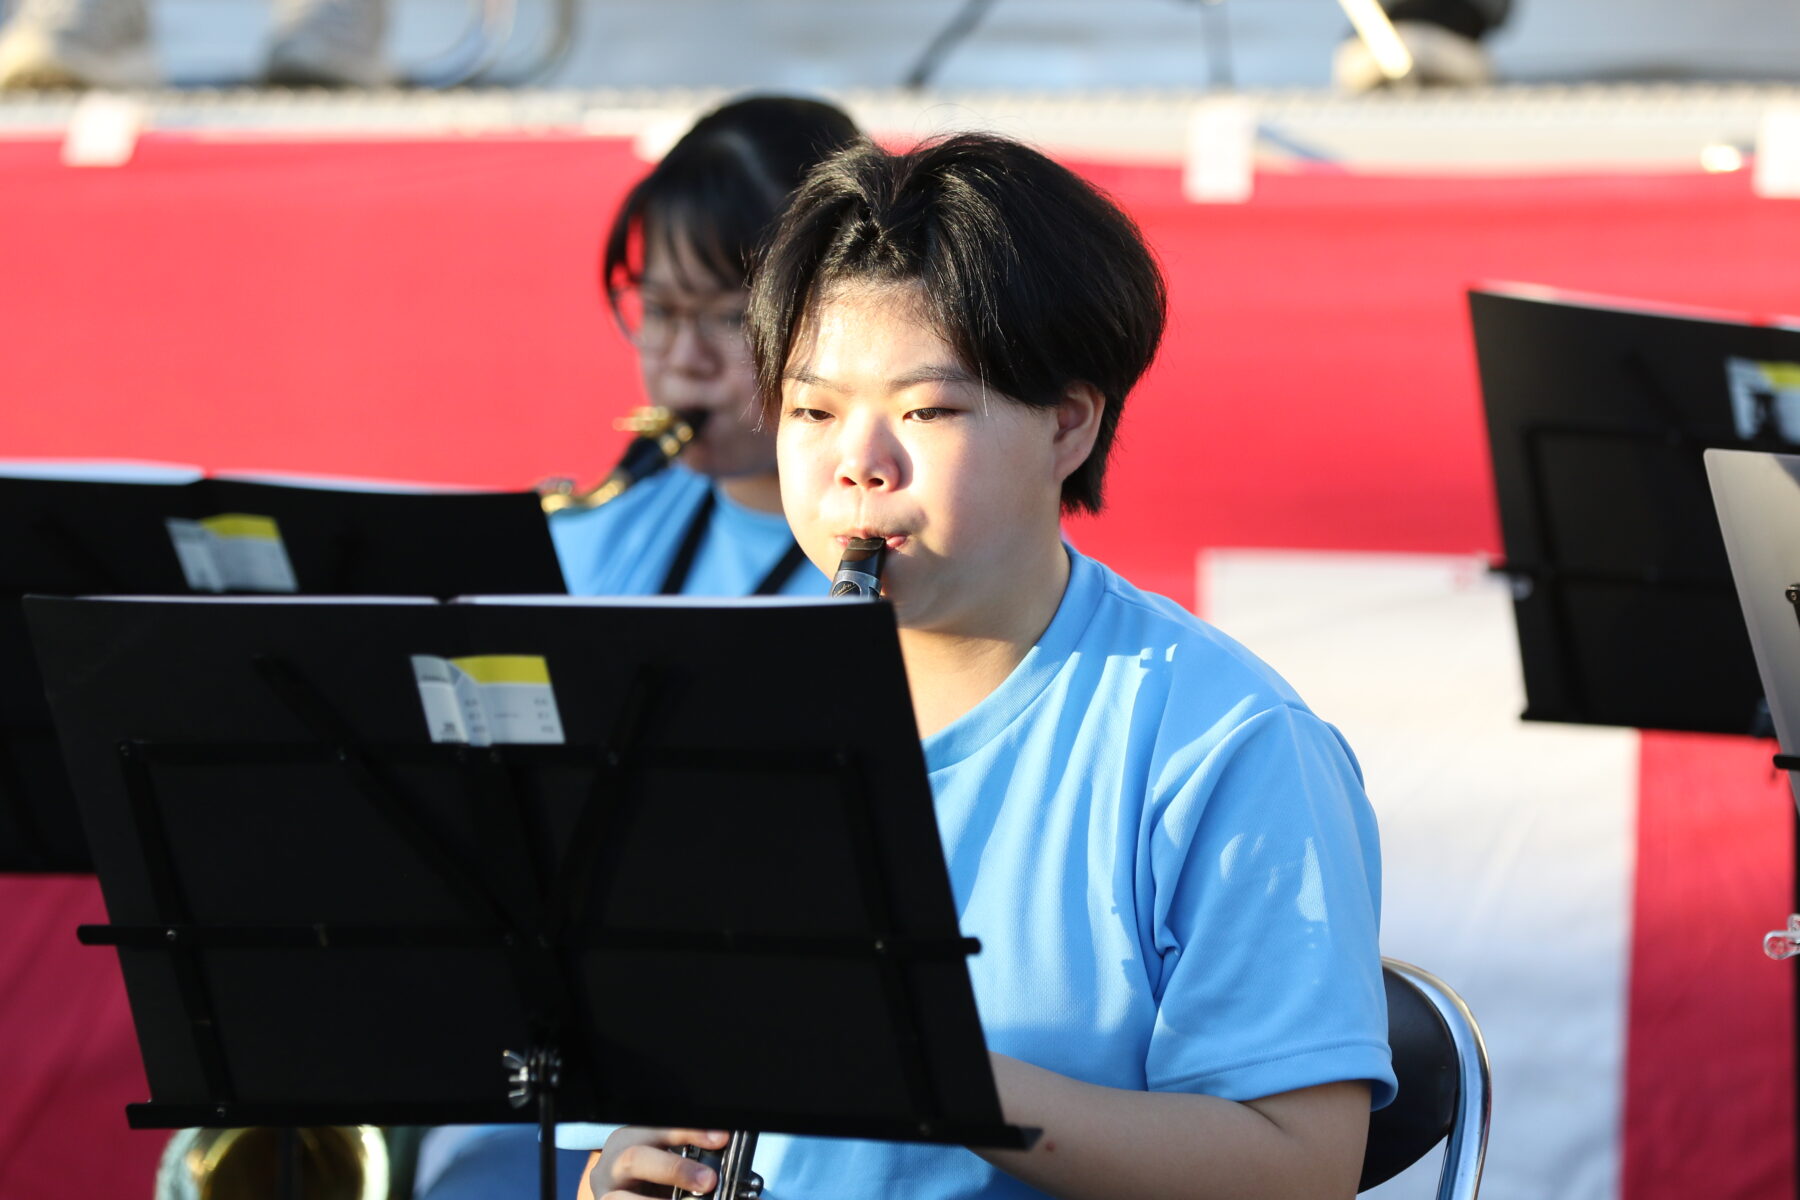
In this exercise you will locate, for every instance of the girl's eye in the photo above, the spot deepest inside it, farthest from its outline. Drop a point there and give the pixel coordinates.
(928, 414)
(810, 416)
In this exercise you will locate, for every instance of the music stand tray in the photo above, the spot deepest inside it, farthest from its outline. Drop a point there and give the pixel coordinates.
(1597, 418)
(324, 916)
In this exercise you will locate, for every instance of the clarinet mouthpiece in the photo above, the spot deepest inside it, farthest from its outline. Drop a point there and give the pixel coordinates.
(859, 571)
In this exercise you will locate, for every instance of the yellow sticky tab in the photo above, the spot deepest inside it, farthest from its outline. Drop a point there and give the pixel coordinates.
(242, 525)
(1782, 375)
(505, 668)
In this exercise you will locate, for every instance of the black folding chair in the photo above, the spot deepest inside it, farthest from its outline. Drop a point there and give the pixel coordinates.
(1442, 1066)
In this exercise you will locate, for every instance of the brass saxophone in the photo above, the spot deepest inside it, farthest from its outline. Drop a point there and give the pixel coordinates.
(858, 577)
(335, 1163)
(662, 434)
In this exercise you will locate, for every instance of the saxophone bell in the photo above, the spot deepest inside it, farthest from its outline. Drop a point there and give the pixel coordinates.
(662, 434)
(859, 571)
(332, 1163)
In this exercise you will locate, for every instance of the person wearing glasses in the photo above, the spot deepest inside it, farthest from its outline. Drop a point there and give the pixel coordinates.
(674, 269)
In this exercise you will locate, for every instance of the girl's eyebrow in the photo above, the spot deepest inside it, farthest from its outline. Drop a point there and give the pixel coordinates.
(931, 373)
(802, 375)
(935, 373)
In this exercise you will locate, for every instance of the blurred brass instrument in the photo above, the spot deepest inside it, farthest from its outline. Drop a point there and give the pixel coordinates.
(662, 434)
(331, 1162)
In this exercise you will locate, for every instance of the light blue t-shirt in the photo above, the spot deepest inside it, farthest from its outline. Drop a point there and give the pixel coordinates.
(1173, 871)
(625, 548)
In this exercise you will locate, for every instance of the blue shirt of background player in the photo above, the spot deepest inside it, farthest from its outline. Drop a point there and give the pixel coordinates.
(625, 548)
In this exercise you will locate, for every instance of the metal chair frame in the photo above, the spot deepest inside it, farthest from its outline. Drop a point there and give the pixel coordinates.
(1465, 1145)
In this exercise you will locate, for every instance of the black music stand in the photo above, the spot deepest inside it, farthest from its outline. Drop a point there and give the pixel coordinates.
(324, 917)
(1757, 496)
(357, 541)
(1600, 419)
(96, 536)
(1758, 501)
(1597, 419)
(62, 536)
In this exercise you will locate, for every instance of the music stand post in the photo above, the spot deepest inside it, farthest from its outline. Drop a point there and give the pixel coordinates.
(508, 898)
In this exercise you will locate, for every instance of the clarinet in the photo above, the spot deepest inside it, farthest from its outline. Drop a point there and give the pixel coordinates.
(858, 577)
(736, 1180)
(859, 571)
(662, 434)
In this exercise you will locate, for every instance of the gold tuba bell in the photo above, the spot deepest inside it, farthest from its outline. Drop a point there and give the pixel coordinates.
(337, 1162)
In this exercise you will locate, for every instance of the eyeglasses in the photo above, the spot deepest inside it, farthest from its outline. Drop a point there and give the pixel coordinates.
(650, 322)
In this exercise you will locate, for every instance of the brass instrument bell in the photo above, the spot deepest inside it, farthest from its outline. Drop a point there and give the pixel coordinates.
(336, 1162)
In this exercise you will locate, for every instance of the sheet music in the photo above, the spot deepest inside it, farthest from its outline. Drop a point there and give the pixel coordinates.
(232, 552)
(488, 699)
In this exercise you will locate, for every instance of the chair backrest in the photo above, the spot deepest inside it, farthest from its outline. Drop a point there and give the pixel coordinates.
(1441, 1064)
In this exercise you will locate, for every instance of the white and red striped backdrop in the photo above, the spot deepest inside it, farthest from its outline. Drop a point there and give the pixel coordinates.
(1306, 465)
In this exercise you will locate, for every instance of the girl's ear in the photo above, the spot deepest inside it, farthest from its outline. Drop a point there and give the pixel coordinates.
(1078, 416)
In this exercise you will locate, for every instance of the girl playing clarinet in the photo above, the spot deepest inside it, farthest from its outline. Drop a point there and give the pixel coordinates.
(1168, 858)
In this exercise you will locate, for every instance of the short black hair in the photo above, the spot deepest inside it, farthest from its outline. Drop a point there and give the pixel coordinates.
(1033, 276)
(722, 185)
